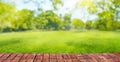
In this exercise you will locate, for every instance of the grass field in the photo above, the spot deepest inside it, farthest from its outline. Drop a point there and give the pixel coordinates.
(60, 42)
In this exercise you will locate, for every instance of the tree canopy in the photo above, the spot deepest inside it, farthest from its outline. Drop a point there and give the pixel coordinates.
(107, 12)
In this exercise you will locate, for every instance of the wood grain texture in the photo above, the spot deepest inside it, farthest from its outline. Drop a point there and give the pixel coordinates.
(105, 57)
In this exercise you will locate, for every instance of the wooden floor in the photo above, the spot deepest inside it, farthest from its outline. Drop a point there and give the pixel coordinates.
(12, 57)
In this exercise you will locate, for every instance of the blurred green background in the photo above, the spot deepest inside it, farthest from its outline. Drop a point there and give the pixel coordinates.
(49, 31)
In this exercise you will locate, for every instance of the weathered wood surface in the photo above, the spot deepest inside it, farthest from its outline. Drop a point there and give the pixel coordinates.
(105, 57)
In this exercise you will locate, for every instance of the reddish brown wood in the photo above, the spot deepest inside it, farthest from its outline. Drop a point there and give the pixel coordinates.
(53, 58)
(59, 58)
(1, 55)
(90, 58)
(30, 57)
(80, 58)
(95, 57)
(74, 58)
(11, 57)
(23, 58)
(4, 57)
(46, 58)
(116, 57)
(67, 58)
(17, 58)
(38, 58)
(105, 57)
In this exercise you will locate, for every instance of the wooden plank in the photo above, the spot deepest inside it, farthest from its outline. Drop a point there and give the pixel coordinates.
(92, 58)
(81, 58)
(53, 58)
(11, 57)
(30, 58)
(17, 58)
(95, 57)
(59, 58)
(102, 58)
(108, 58)
(113, 56)
(4, 57)
(46, 58)
(38, 58)
(24, 58)
(1, 54)
(64, 56)
(6, 61)
(74, 58)
(117, 54)
(87, 58)
(67, 58)
(116, 57)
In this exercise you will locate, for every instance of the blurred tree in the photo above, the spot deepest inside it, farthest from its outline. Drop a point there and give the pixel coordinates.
(95, 24)
(6, 16)
(67, 21)
(88, 25)
(48, 20)
(77, 24)
(89, 5)
(41, 21)
(118, 25)
(25, 20)
(111, 25)
(106, 10)
(54, 22)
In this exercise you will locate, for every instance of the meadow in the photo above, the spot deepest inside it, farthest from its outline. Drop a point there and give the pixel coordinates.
(60, 42)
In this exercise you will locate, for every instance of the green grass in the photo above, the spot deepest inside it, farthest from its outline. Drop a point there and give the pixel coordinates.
(60, 42)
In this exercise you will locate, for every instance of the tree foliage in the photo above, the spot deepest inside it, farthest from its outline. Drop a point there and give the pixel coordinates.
(49, 20)
(77, 23)
(20, 20)
(67, 21)
(107, 12)
(6, 15)
(88, 25)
